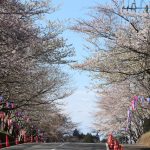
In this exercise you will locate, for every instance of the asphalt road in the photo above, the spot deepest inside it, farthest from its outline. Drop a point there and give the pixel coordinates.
(135, 147)
(58, 146)
(69, 146)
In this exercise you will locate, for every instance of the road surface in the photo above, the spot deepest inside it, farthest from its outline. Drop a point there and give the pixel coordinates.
(135, 147)
(69, 146)
(58, 146)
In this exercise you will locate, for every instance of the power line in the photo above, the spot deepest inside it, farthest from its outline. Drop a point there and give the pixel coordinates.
(133, 7)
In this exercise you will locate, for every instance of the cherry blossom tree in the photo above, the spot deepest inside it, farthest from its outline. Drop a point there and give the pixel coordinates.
(119, 60)
(31, 57)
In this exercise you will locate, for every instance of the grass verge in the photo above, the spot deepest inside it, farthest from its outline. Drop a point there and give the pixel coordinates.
(145, 139)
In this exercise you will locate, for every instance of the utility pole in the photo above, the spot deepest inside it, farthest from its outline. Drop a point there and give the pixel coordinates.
(133, 7)
(130, 134)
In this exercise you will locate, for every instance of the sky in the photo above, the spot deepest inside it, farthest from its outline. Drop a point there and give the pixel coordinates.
(81, 105)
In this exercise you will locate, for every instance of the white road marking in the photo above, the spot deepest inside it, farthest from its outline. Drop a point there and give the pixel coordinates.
(59, 146)
(107, 148)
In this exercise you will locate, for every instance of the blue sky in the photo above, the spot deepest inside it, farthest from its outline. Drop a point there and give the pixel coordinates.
(80, 105)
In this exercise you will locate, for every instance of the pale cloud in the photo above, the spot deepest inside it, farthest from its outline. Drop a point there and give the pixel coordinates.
(81, 107)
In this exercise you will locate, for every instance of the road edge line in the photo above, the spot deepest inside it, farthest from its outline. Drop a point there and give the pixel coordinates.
(107, 147)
